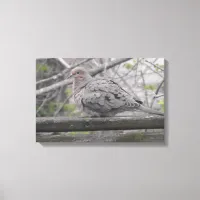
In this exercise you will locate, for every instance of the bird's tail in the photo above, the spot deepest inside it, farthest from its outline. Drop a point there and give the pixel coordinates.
(149, 110)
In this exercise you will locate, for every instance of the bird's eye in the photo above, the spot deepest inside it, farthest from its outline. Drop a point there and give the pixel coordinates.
(77, 72)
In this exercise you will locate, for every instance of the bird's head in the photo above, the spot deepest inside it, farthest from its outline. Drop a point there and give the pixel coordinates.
(80, 74)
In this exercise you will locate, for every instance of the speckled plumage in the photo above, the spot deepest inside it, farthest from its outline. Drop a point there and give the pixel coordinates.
(102, 97)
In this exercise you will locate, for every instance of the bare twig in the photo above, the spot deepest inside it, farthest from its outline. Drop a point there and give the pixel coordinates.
(136, 70)
(43, 103)
(153, 70)
(156, 92)
(47, 99)
(127, 85)
(61, 106)
(154, 65)
(145, 92)
(53, 87)
(80, 63)
(108, 66)
(158, 96)
(126, 75)
(63, 63)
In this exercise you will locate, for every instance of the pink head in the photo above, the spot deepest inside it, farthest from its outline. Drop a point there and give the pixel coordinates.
(80, 75)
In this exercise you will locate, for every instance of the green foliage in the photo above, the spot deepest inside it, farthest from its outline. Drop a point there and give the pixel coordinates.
(72, 133)
(68, 91)
(52, 107)
(150, 87)
(69, 107)
(38, 66)
(159, 66)
(86, 132)
(139, 137)
(82, 132)
(136, 137)
(42, 67)
(134, 61)
(128, 66)
(162, 104)
(73, 114)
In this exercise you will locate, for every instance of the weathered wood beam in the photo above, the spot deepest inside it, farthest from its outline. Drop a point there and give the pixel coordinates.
(139, 136)
(64, 124)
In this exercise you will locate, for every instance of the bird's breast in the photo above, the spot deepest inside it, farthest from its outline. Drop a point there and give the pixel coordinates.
(78, 97)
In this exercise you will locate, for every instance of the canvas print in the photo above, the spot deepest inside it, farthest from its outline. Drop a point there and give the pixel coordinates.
(100, 100)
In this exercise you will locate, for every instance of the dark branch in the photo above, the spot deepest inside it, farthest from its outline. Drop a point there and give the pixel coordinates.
(64, 124)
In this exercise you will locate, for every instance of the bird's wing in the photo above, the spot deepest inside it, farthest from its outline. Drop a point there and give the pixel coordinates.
(135, 98)
(104, 95)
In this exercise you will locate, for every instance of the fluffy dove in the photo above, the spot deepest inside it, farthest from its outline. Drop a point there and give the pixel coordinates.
(101, 97)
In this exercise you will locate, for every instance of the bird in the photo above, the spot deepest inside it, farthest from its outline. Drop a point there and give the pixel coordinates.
(103, 97)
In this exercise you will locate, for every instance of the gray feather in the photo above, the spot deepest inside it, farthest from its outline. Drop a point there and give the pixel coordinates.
(104, 97)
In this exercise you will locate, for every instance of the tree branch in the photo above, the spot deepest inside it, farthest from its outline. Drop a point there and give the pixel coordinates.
(64, 124)
(53, 87)
(93, 73)
(61, 106)
(43, 103)
(126, 84)
(63, 63)
(152, 69)
(154, 65)
(108, 66)
(145, 91)
(156, 92)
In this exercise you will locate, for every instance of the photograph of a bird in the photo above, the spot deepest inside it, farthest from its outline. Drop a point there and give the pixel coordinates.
(102, 97)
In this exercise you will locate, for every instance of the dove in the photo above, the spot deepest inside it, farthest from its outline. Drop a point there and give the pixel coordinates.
(102, 97)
